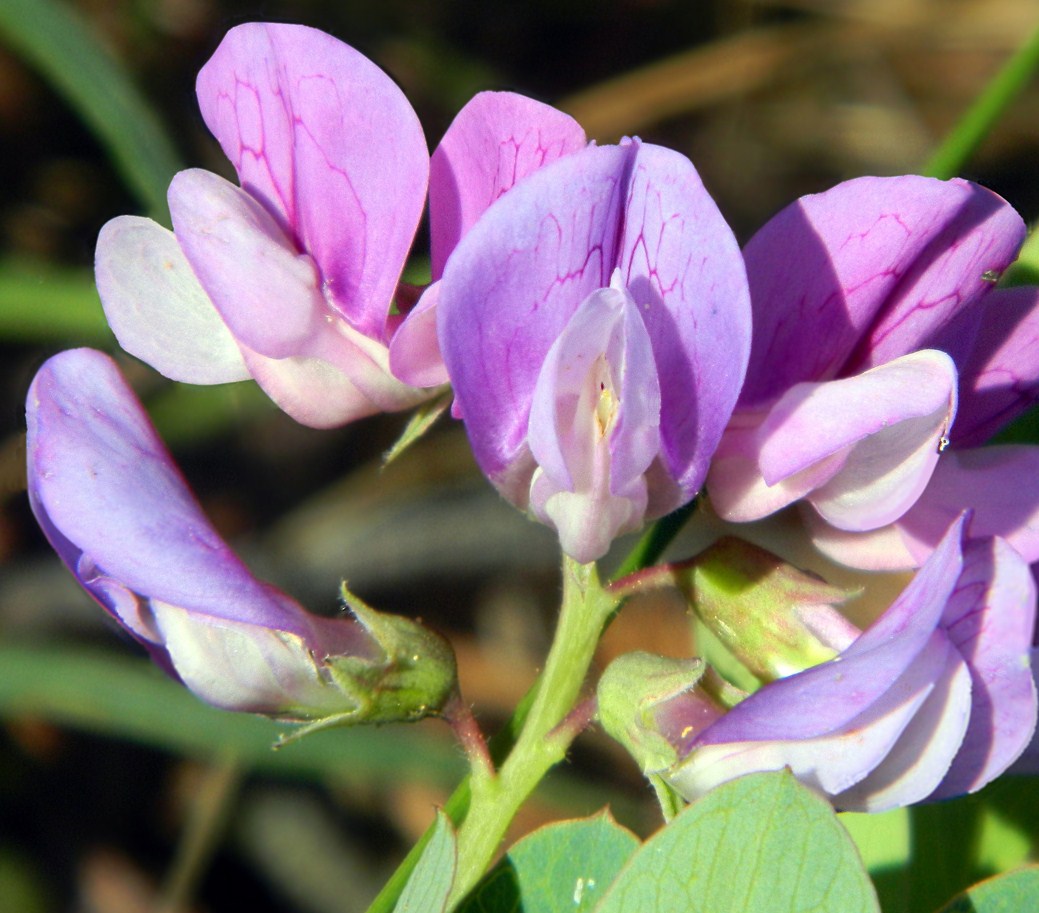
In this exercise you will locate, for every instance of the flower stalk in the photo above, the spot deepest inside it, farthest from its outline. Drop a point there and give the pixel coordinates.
(543, 742)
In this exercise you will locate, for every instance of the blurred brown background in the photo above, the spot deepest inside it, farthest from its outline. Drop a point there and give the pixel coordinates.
(770, 100)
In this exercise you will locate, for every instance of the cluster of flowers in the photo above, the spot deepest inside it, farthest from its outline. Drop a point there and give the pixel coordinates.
(611, 350)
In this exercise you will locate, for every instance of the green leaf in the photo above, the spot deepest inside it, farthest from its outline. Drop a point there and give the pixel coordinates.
(561, 868)
(882, 838)
(430, 883)
(52, 37)
(1015, 892)
(762, 843)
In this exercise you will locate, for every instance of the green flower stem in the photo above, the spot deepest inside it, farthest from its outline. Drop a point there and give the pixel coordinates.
(657, 538)
(648, 550)
(975, 125)
(543, 742)
(456, 807)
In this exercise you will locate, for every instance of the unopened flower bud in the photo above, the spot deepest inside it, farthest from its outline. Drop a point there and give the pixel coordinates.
(774, 618)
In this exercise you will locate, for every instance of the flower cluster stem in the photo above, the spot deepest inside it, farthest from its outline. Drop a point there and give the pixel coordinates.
(543, 742)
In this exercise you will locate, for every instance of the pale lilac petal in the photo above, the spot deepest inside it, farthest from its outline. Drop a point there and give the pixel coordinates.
(415, 355)
(814, 420)
(737, 488)
(494, 142)
(318, 368)
(513, 283)
(156, 307)
(918, 761)
(323, 395)
(861, 449)
(1028, 763)
(1001, 378)
(874, 728)
(114, 506)
(103, 480)
(832, 762)
(891, 258)
(681, 264)
(268, 294)
(886, 471)
(829, 696)
(252, 668)
(519, 274)
(998, 483)
(991, 620)
(330, 144)
(883, 549)
(594, 425)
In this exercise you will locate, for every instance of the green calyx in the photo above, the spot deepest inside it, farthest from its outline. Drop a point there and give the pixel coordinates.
(413, 678)
(631, 691)
(410, 675)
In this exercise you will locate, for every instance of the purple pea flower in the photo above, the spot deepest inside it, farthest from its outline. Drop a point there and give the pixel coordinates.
(497, 140)
(290, 277)
(934, 700)
(879, 340)
(117, 511)
(595, 325)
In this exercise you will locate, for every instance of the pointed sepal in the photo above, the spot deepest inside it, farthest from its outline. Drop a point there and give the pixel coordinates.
(412, 679)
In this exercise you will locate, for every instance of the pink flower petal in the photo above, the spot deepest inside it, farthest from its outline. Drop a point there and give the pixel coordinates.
(832, 762)
(595, 425)
(494, 142)
(1001, 378)
(882, 549)
(860, 449)
(917, 762)
(513, 283)
(680, 262)
(415, 350)
(829, 696)
(267, 293)
(865, 272)
(997, 482)
(320, 395)
(331, 146)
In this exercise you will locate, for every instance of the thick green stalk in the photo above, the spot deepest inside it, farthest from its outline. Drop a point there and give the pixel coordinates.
(544, 739)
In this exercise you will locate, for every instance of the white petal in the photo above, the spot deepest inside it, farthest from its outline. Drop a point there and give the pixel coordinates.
(157, 308)
(244, 667)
